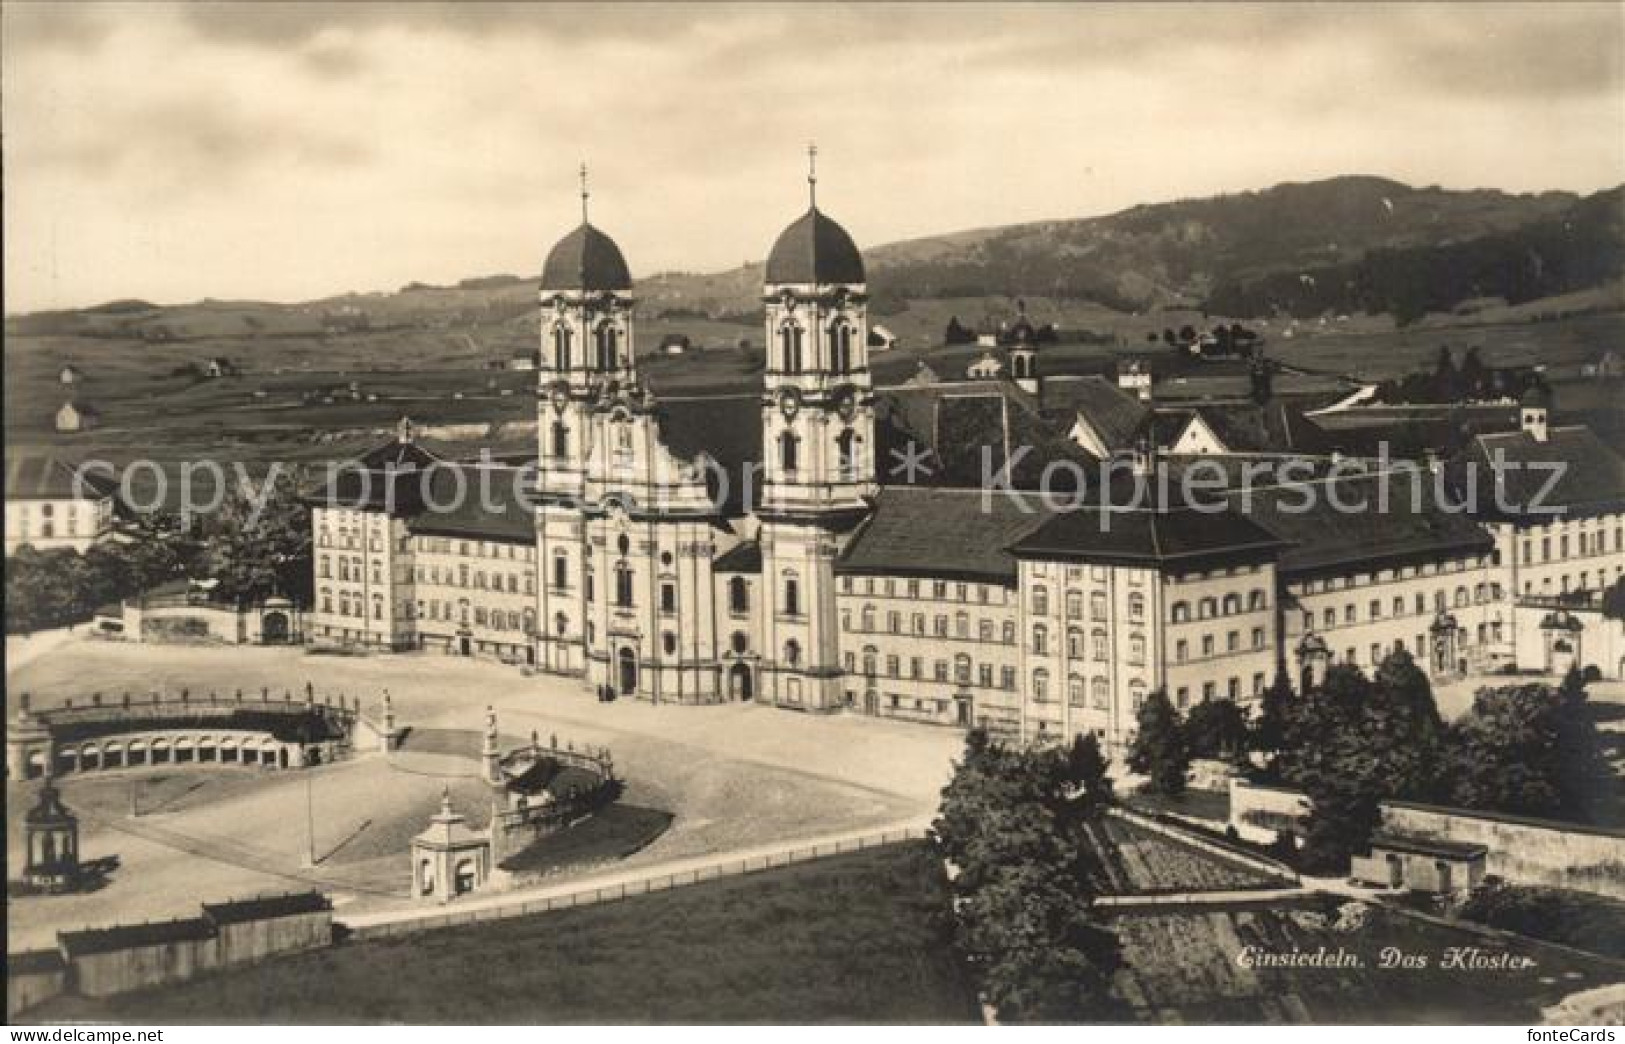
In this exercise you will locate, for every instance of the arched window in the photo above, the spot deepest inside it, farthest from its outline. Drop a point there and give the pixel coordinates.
(1099, 693)
(789, 452)
(1136, 607)
(1136, 649)
(790, 348)
(561, 347)
(738, 595)
(792, 652)
(962, 669)
(1074, 643)
(1074, 690)
(840, 347)
(1136, 694)
(1040, 640)
(377, 607)
(1040, 685)
(1097, 606)
(327, 600)
(1009, 635)
(607, 340)
(1207, 609)
(561, 623)
(1232, 604)
(792, 595)
(623, 584)
(1255, 600)
(1182, 612)
(984, 630)
(1074, 605)
(1098, 639)
(961, 625)
(1461, 597)
(1040, 601)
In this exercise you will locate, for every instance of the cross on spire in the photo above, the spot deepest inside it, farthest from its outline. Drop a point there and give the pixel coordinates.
(584, 194)
(812, 174)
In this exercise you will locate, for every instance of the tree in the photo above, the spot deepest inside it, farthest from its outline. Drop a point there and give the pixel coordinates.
(1504, 752)
(1086, 771)
(1530, 750)
(1584, 779)
(1019, 840)
(1613, 600)
(1160, 749)
(258, 549)
(1339, 773)
(1402, 721)
(1275, 707)
(1217, 729)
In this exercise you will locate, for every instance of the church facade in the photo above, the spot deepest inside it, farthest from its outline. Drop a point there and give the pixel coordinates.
(747, 547)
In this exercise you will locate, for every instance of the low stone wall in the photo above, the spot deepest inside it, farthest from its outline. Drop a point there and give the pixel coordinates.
(1521, 849)
(1528, 851)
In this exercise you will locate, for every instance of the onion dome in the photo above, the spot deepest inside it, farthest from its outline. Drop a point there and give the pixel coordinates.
(813, 250)
(588, 261)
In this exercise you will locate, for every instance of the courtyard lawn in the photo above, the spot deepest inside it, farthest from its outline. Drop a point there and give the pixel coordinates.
(861, 938)
(1186, 967)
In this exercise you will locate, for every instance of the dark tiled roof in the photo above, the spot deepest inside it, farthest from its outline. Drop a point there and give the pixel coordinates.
(236, 911)
(965, 423)
(30, 476)
(1428, 846)
(1593, 475)
(1119, 418)
(35, 962)
(131, 936)
(1176, 537)
(939, 533)
(585, 260)
(814, 249)
(1326, 538)
(49, 808)
(491, 504)
(727, 429)
(397, 454)
(745, 557)
(1273, 427)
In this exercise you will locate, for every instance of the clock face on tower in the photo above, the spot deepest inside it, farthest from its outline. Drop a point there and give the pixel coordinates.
(846, 404)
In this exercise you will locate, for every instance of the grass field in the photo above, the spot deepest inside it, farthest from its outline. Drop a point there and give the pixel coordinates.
(854, 939)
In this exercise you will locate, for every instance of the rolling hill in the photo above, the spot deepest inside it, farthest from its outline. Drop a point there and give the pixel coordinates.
(1349, 244)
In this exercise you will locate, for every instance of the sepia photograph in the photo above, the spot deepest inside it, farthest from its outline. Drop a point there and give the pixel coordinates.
(808, 514)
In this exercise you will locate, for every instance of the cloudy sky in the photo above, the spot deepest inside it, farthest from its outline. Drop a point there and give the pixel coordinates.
(289, 152)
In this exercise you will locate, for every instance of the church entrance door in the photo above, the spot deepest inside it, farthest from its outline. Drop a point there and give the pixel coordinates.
(740, 683)
(629, 670)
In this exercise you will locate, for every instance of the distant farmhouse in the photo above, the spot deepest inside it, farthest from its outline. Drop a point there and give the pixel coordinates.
(76, 416)
(881, 339)
(675, 344)
(70, 375)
